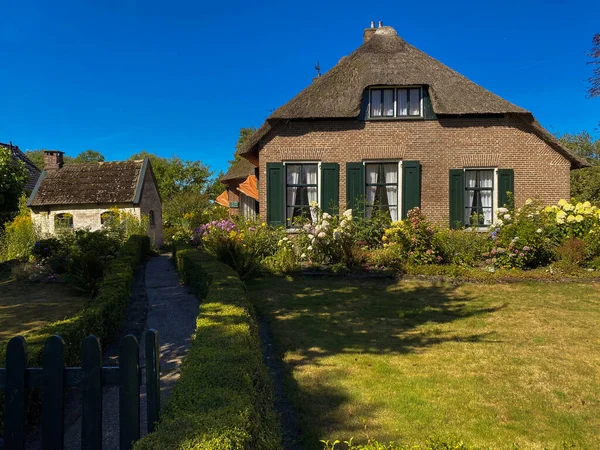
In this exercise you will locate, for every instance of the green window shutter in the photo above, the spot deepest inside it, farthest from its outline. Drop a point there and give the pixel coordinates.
(411, 186)
(506, 183)
(330, 188)
(457, 198)
(275, 194)
(428, 113)
(355, 187)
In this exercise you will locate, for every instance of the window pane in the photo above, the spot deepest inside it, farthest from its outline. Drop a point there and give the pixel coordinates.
(402, 102)
(390, 173)
(376, 103)
(486, 178)
(415, 102)
(293, 173)
(388, 102)
(309, 174)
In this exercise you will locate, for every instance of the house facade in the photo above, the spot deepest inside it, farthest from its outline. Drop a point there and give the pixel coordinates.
(82, 195)
(390, 128)
(241, 194)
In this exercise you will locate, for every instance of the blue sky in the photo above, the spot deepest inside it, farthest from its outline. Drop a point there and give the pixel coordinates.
(175, 77)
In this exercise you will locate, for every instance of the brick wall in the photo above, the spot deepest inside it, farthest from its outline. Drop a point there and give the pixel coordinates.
(440, 145)
(232, 191)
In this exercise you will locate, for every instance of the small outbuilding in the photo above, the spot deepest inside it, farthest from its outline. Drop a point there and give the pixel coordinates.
(81, 195)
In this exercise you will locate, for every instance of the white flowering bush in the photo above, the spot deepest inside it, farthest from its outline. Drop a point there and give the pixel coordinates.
(328, 238)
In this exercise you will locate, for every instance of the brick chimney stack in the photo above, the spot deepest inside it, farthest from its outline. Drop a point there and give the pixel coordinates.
(53, 160)
(369, 32)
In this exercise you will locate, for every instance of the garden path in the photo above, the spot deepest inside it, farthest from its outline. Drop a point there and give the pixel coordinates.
(172, 310)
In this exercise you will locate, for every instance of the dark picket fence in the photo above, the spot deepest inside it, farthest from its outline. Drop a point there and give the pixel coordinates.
(53, 378)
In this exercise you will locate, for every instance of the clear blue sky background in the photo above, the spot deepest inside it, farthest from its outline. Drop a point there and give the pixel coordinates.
(175, 77)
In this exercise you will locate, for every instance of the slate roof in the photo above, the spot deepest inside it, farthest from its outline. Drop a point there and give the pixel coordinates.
(33, 173)
(386, 59)
(90, 183)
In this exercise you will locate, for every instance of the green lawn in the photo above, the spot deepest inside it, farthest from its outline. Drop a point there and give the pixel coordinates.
(492, 364)
(26, 307)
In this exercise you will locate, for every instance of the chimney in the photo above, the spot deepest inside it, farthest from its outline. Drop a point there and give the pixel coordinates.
(53, 160)
(369, 32)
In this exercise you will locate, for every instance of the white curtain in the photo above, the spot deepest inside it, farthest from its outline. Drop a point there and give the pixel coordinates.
(471, 180)
(390, 172)
(313, 192)
(486, 180)
(388, 102)
(293, 177)
(376, 103)
(402, 102)
(415, 102)
(372, 175)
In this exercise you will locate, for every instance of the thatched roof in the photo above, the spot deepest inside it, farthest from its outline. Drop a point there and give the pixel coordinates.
(386, 59)
(241, 168)
(91, 183)
(33, 173)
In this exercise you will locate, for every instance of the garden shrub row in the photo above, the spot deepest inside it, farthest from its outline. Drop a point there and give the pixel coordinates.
(223, 399)
(102, 316)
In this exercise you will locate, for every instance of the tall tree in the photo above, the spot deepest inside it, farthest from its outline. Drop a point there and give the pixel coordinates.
(245, 134)
(594, 89)
(12, 179)
(585, 183)
(89, 156)
(175, 175)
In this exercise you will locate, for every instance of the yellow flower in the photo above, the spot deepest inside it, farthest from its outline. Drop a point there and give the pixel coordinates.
(562, 202)
(528, 201)
(587, 204)
(570, 219)
(579, 218)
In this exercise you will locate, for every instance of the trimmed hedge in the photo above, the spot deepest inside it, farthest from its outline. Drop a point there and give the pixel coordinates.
(102, 316)
(223, 400)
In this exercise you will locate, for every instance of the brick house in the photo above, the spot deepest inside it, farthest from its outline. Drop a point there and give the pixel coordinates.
(81, 195)
(391, 128)
(241, 193)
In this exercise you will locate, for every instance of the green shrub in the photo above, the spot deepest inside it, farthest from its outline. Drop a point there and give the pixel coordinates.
(462, 247)
(413, 239)
(223, 398)
(19, 236)
(101, 316)
(369, 231)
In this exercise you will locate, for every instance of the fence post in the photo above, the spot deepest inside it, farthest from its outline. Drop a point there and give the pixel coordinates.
(14, 391)
(152, 379)
(53, 394)
(91, 394)
(129, 392)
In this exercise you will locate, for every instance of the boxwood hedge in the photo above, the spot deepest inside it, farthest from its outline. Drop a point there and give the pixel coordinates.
(223, 400)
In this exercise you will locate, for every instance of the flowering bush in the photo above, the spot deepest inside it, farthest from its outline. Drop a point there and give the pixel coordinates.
(19, 236)
(413, 239)
(519, 239)
(328, 239)
(573, 220)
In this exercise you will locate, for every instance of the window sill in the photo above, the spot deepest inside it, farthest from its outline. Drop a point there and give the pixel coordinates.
(393, 119)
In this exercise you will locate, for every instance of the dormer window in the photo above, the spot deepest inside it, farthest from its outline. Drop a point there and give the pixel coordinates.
(388, 102)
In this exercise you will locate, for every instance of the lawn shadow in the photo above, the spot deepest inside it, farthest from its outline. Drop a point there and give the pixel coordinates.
(314, 318)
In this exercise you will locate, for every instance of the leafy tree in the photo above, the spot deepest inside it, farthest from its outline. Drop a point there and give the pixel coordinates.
(594, 90)
(214, 186)
(37, 157)
(245, 134)
(12, 180)
(585, 183)
(175, 176)
(88, 156)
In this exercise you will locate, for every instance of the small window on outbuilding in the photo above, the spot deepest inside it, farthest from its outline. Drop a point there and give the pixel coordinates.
(63, 221)
(108, 217)
(151, 219)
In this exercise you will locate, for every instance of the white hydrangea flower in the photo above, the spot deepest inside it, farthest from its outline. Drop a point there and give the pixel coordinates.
(539, 230)
(343, 223)
(326, 216)
(303, 256)
(347, 213)
(311, 237)
(309, 248)
(506, 216)
(322, 235)
(325, 224)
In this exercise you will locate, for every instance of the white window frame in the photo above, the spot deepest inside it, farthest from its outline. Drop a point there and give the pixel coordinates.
(386, 161)
(291, 162)
(495, 197)
(395, 116)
